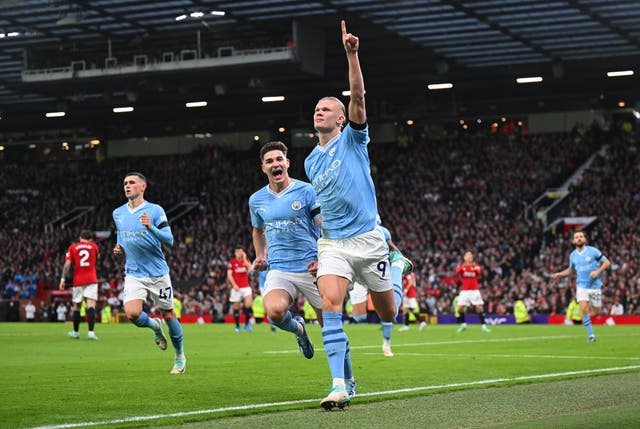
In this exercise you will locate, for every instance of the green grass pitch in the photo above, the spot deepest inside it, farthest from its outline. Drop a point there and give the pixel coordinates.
(538, 376)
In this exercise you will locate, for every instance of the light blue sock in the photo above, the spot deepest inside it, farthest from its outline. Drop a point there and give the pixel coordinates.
(586, 321)
(348, 369)
(335, 342)
(387, 327)
(175, 333)
(287, 323)
(144, 321)
(396, 279)
(360, 318)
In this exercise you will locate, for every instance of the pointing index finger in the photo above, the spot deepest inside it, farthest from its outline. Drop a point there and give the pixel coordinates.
(344, 27)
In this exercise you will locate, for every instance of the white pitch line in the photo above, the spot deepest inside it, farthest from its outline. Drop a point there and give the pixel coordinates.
(502, 380)
(304, 401)
(20, 334)
(477, 355)
(437, 343)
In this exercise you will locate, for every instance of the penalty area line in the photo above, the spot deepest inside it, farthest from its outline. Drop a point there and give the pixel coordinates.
(304, 401)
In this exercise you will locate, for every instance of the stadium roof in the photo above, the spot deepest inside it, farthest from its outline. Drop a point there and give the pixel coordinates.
(481, 47)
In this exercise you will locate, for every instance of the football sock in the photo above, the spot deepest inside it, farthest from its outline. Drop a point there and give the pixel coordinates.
(287, 323)
(396, 280)
(406, 319)
(175, 333)
(586, 321)
(460, 318)
(76, 320)
(387, 327)
(236, 316)
(248, 312)
(335, 343)
(482, 315)
(144, 321)
(91, 318)
(348, 369)
(360, 318)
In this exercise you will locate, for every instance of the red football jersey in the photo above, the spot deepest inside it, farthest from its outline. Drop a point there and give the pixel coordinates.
(240, 272)
(469, 275)
(409, 285)
(84, 255)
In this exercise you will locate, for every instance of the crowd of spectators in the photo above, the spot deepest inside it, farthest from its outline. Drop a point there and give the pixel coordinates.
(439, 197)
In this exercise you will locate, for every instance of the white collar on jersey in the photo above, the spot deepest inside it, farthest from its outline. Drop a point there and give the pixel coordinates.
(133, 210)
(330, 142)
(277, 194)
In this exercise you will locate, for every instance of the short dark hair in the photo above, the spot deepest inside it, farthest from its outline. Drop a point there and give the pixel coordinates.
(138, 175)
(273, 145)
(86, 234)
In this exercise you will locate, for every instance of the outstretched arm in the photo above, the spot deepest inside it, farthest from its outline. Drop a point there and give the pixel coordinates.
(357, 112)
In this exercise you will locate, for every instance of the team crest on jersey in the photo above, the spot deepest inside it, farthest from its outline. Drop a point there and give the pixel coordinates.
(296, 205)
(588, 258)
(332, 151)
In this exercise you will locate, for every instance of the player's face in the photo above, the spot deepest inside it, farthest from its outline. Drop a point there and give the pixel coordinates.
(579, 239)
(327, 116)
(468, 257)
(133, 187)
(239, 254)
(275, 165)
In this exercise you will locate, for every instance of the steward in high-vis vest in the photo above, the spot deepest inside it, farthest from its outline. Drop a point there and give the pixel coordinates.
(520, 312)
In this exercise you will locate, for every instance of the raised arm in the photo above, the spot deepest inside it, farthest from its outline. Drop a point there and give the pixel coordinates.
(357, 111)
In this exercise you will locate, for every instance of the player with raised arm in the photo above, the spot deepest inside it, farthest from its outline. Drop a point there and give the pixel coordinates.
(352, 248)
(142, 228)
(83, 255)
(588, 263)
(285, 216)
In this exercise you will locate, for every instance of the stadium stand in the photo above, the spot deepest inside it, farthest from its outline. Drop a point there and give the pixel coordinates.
(439, 196)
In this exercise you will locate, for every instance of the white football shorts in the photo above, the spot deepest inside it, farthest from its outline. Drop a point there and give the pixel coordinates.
(294, 283)
(593, 296)
(90, 291)
(411, 303)
(470, 297)
(358, 293)
(159, 289)
(363, 259)
(240, 294)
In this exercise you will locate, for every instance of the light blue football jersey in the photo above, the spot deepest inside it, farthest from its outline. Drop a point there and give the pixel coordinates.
(341, 175)
(143, 251)
(288, 220)
(584, 263)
